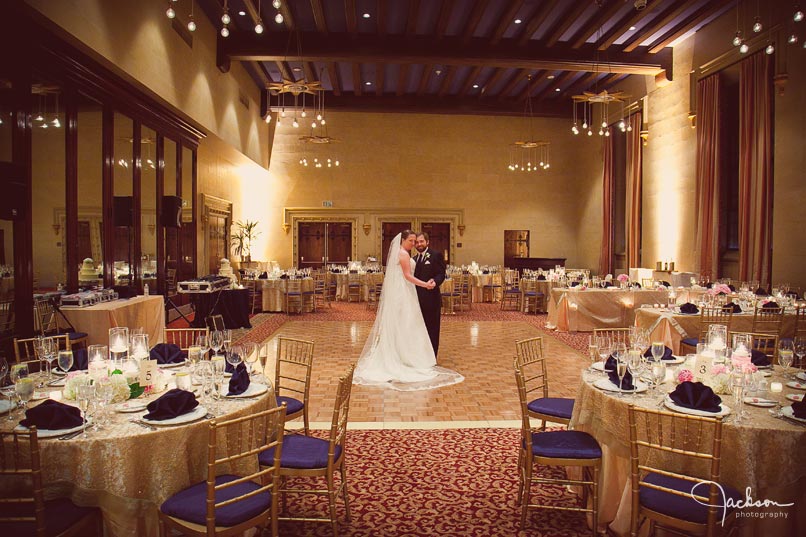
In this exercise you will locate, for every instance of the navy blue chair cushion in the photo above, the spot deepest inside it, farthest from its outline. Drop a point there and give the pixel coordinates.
(190, 504)
(76, 335)
(690, 341)
(305, 452)
(60, 514)
(682, 507)
(553, 406)
(565, 445)
(291, 405)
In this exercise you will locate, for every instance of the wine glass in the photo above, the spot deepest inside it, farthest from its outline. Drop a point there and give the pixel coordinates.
(86, 394)
(786, 356)
(65, 359)
(800, 351)
(635, 365)
(658, 349)
(24, 387)
(194, 355)
(620, 354)
(593, 351)
(18, 371)
(235, 355)
(604, 344)
(226, 334)
(203, 342)
(658, 373)
(216, 341)
(250, 355)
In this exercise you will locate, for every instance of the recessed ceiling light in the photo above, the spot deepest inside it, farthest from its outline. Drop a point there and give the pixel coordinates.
(632, 28)
(518, 21)
(475, 85)
(297, 69)
(366, 15)
(556, 89)
(242, 13)
(367, 83)
(550, 77)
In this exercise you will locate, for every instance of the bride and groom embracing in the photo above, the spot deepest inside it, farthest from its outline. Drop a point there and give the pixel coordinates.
(400, 352)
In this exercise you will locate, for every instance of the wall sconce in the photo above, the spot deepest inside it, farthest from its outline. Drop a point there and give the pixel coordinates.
(286, 227)
(645, 137)
(56, 228)
(367, 228)
(461, 229)
(693, 119)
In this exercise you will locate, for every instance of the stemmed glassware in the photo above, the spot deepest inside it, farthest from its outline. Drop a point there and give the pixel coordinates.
(263, 357)
(203, 342)
(216, 341)
(18, 371)
(86, 394)
(635, 365)
(658, 373)
(620, 354)
(235, 355)
(605, 348)
(593, 351)
(786, 356)
(800, 351)
(250, 355)
(65, 360)
(25, 390)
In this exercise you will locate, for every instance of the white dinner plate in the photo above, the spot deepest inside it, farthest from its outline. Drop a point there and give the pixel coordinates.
(789, 413)
(606, 385)
(598, 366)
(675, 360)
(52, 433)
(796, 397)
(171, 366)
(759, 401)
(801, 376)
(685, 410)
(57, 383)
(253, 390)
(39, 395)
(6, 405)
(131, 406)
(797, 385)
(194, 415)
(58, 372)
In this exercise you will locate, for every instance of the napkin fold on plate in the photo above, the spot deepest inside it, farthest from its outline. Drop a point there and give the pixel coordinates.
(759, 359)
(696, 396)
(667, 353)
(626, 382)
(172, 404)
(167, 353)
(689, 309)
(239, 381)
(770, 304)
(541, 277)
(732, 306)
(761, 292)
(53, 416)
(799, 409)
(610, 364)
(80, 359)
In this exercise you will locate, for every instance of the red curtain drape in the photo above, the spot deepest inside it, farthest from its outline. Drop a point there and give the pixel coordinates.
(634, 190)
(708, 172)
(755, 168)
(608, 179)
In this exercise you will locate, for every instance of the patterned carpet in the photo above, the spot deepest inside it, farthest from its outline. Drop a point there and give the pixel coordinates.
(434, 482)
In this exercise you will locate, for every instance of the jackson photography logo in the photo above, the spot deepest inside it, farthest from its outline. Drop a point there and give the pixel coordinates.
(742, 506)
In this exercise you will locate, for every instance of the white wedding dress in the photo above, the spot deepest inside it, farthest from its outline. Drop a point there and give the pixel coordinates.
(398, 352)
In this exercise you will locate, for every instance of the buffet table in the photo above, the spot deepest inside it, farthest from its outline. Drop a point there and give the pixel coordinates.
(146, 312)
(670, 327)
(575, 310)
(762, 452)
(274, 293)
(127, 470)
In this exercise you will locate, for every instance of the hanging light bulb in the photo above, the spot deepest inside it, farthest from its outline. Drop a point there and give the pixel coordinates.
(604, 124)
(744, 48)
(318, 117)
(39, 118)
(622, 125)
(191, 24)
(259, 26)
(276, 4)
(798, 16)
(584, 124)
(170, 13)
(225, 18)
(322, 122)
(629, 128)
(304, 113)
(792, 39)
(770, 49)
(295, 123)
(278, 18)
(607, 132)
(268, 118)
(590, 133)
(757, 26)
(737, 39)
(601, 132)
(224, 31)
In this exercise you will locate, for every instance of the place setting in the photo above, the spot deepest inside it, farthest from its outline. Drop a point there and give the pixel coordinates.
(696, 399)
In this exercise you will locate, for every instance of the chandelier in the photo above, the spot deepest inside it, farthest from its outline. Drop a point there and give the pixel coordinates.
(529, 154)
(600, 114)
(226, 18)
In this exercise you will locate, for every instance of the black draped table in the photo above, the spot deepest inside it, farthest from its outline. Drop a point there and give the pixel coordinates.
(232, 304)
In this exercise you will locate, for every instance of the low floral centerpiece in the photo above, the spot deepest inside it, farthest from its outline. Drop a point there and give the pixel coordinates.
(122, 388)
(719, 289)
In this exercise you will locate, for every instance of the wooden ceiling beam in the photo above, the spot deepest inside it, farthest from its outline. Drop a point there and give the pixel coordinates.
(380, 72)
(444, 17)
(580, 85)
(623, 26)
(518, 77)
(558, 81)
(596, 22)
(656, 25)
(288, 18)
(536, 21)
(495, 79)
(310, 72)
(449, 75)
(368, 48)
(261, 73)
(411, 22)
(350, 16)
(319, 17)
(426, 76)
(403, 79)
(697, 18)
(380, 17)
(505, 20)
(611, 81)
(471, 78)
(335, 81)
(285, 72)
(534, 81)
(473, 21)
(357, 83)
(251, 10)
(566, 21)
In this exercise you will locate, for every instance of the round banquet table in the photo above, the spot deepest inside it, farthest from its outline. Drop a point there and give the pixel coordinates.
(762, 452)
(366, 279)
(127, 470)
(575, 310)
(274, 293)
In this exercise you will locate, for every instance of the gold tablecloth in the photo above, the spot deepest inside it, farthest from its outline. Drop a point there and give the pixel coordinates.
(128, 471)
(274, 293)
(573, 310)
(343, 280)
(762, 452)
(146, 312)
(671, 328)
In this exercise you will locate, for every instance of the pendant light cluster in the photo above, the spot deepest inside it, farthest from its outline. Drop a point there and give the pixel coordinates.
(739, 39)
(529, 154)
(226, 18)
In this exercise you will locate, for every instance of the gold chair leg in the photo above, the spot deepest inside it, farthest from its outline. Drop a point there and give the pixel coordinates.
(331, 500)
(527, 480)
(344, 491)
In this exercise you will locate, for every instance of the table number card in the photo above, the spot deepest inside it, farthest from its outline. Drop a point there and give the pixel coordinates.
(148, 372)
(701, 367)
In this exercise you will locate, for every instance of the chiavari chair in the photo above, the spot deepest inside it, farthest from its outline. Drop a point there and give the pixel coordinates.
(616, 335)
(49, 323)
(766, 344)
(708, 317)
(292, 377)
(768, 320)
(293, 296)
(184, 338)
(531, 364)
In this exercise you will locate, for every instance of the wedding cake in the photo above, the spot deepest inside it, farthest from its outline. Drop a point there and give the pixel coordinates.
(87, 272)
(225, 269)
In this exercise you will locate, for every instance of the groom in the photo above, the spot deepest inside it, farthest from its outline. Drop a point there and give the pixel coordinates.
(430, 267)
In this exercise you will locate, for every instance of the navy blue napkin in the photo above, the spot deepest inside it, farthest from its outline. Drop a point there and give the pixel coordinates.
(732, 287)
(689, 309)
(283, 276)
(610, 364)
(626, 382)
(541, 277)
(174, 403)
(239, 381)
(697, 396)
(608, 284)
(665, 283)
(573, 284)
(667, 354)
(80, 360)
(799, 409)
(52, 415)
(771, 304)
(761, 292)
(228, 367)
(759, 359)
(167, 353)
(263, 276)
(732, 306)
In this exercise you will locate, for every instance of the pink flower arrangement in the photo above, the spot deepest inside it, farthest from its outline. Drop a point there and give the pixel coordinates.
(685, 376)
(623, 278)
(719, 289)
(719, 370)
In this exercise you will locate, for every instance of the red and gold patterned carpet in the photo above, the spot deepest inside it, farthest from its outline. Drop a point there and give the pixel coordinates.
(457, 482)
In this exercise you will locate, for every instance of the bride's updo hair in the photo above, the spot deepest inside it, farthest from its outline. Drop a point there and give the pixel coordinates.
(406, 233)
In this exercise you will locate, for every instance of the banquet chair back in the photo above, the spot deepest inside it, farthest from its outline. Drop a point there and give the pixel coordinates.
(354, 287)
(800, 321)
(709, 317)
(766, 344)
(23, 509)
(511, 295)
(255, 288)
(310, 457)
(321, 296)
(768, 320)
(616, 335)
(238, 493)
(170, 282)
(539, 449)
(50, 325)
(292, 377)
(184, 338)
(215, 322)
(660, 444)
(533, 300)
(491, 292)
(25, 350)
(293, 296)
(531, 365)
(374, 293)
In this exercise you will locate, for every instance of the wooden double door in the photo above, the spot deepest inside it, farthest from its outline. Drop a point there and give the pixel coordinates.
(324, 242)
(439, 233)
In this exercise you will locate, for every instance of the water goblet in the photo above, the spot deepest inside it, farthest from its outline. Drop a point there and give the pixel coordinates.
(18, 371)
(203, 342)
(658, 373)
(235, 355)
(785, 356)
(658, 349)
(605, 348)
(635, 365)
(216, 341)
(800, 351)
(65, 360)
(24, 388)
(250, 355)
(84, 398)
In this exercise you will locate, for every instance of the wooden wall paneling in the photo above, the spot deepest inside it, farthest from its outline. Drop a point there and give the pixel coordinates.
(161, 253)
(71, 190)
(137, 206)
(108, 193)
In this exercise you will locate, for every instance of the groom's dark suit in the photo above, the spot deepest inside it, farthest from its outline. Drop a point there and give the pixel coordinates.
(430, 264)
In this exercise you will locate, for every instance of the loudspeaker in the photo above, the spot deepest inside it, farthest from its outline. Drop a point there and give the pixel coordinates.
(122, 211)
(171, 211)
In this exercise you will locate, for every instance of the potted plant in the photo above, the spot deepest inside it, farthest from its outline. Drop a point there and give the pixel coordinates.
(242, 240)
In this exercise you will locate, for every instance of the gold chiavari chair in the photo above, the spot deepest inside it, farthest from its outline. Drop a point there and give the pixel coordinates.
(23, 508)
(292, 377)
(616, 335)
(533, 300)
(229, 503)
(255, 288)
(491, 292)
(353, 287)
(50, 324)
(708, 317)
(555, 448)
(531, 364)
(511, 294)
(660, 444)
(304, 456)
(293, 296)
(767, 344)
(320, 292)
(647, 283)
(184, 338)
(768, 320)
(25, 351)
(465, 292)
(450, 296)
(374, 288)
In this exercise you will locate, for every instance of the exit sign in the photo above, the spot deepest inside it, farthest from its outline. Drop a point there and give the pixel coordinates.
(327, 203)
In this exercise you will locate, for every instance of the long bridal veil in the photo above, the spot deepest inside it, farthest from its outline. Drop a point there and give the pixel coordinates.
(398, 352)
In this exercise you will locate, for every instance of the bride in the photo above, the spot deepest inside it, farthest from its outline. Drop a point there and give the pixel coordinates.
(398, 352)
